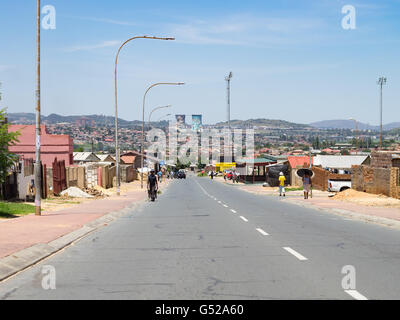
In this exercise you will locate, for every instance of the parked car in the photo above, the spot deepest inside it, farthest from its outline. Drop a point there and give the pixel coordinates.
(181, 174)
(338, 185)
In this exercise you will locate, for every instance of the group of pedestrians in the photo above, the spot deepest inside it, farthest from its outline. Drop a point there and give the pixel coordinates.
(233, 175)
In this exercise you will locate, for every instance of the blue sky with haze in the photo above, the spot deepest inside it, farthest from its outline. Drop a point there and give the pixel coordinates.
(291, 59)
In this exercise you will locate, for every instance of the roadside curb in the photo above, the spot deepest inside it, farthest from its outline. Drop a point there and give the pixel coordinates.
(23, 259)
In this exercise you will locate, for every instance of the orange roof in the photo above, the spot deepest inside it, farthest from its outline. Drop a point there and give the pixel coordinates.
(295, 161)
(128, 159)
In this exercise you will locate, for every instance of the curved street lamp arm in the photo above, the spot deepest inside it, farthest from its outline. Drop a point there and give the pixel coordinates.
(116, 99)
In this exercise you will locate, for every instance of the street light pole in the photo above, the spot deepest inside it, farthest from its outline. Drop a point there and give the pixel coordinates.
(144, 102)
(164, 116)
(158, 108)
(38, 174)
(381, 83)
(228, 98)
(116, 102)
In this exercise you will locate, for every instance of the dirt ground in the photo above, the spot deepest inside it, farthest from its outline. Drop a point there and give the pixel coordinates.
(59, 203)
(366, 199)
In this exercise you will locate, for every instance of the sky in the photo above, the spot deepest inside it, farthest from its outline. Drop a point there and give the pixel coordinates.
(291, 59)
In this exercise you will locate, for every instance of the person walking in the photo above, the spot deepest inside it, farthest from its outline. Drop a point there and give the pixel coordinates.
(224, 175)
(212, 175)
(237, 176)
(159, 176)
(282, 180)
(152, 185)
(307, 184)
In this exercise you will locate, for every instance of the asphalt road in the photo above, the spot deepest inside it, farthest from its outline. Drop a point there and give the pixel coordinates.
(205, 240)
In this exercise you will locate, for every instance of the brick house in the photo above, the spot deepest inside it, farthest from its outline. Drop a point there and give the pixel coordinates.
(52, 146)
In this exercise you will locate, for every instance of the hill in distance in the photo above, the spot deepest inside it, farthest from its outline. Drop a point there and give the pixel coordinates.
(100, 120)
(349, 124)
(263, 123)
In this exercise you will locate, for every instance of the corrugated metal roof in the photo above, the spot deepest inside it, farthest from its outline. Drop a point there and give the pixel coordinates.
(85, 156)
(105, 157)
(339, 162)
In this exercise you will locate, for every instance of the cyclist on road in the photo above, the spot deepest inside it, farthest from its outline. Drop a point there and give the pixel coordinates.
(152, 184)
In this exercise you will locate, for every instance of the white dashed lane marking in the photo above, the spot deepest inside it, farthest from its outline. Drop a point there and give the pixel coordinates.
(244, 219)
(295, 253)
(356, 295)
(233, 211)
(262, 232)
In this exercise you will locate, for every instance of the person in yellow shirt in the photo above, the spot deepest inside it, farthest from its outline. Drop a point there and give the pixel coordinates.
(282, 180)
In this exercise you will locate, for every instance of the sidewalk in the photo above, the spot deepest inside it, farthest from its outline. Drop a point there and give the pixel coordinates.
(21, 233)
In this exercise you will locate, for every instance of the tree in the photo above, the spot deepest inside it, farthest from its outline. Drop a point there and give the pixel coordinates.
(7, 139)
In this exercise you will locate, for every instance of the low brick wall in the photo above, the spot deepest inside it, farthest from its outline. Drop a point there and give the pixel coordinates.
(322, 176)
(376, 180)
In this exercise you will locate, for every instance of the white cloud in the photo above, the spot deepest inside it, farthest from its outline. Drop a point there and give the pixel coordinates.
(101, 45)
(244, 30)
(106, 20)
(5, 68)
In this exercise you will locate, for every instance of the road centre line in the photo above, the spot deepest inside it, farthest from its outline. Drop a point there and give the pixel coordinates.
(262, 232)
(295, 253)
(356, 295)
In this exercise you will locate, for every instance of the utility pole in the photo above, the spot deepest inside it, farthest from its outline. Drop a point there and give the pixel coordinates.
(38, 173)
(228, 110)
(381, 83)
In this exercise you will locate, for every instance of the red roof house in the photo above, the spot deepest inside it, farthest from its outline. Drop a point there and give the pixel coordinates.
(295, 161)
(52, 146)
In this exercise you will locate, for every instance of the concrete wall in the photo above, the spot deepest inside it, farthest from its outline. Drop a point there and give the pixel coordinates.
(91, 176)
(24, 179)
(376, 180)
(128, 174)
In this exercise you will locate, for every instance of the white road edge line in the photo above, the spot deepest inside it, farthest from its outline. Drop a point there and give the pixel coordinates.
(356, 295)
(262, 232)
(233, 211)
(244, 219)
(295, 253)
